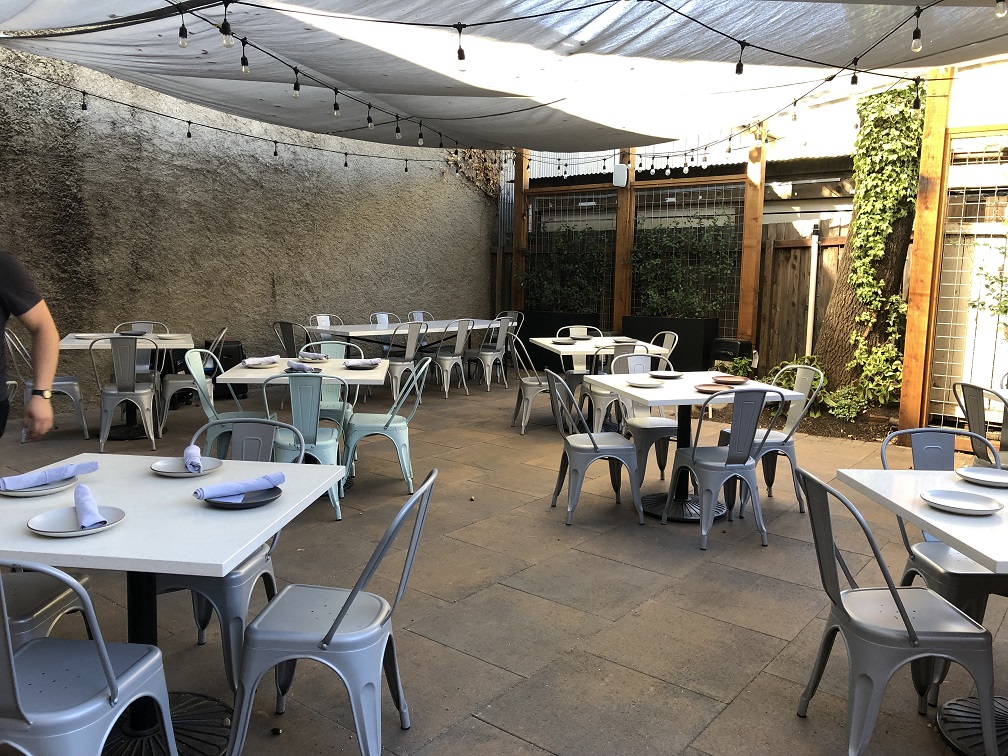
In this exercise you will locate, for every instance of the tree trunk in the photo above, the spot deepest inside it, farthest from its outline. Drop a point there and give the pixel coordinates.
(833, 347)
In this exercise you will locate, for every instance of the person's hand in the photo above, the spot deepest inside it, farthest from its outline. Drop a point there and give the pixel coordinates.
(38, 417)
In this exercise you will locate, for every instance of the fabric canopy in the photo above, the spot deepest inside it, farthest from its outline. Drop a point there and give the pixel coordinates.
(554, 75)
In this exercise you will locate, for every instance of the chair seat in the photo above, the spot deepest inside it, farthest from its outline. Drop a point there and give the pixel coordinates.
(941, 559)
(876, 616)
(774, 437)
(650, 422)
(110, 389)
(581, 442)
(375, 422)
(286, 440)
(708, 457)
(293, 618)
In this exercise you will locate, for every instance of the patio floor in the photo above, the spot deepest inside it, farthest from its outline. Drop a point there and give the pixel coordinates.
(519, 634)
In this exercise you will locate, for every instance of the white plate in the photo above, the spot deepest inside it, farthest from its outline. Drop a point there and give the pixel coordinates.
(984, 476)
(266, 366)
(89, 336)
(44, 490)
(170, 336)
(961, 502)
(643, 383)
(62, 523)
(307, 361)
(665, 374)
(174, 467)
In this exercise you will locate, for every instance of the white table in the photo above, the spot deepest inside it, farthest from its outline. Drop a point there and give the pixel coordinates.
(597, 345)
(681, 393)
(165, 530)
(983, 539)
(331, 367)
(74, 341)
(372, 331)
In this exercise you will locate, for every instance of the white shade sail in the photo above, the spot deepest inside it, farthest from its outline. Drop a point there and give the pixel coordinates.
(554, 75)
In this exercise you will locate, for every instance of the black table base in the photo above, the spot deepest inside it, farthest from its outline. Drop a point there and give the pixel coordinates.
(126, 433)
(959, 723)
(682, 510)
(202, 728)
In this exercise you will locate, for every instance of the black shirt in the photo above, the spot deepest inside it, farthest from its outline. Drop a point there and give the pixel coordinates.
(18, 294)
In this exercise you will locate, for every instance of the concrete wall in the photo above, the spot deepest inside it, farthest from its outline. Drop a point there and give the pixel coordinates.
(120, 216)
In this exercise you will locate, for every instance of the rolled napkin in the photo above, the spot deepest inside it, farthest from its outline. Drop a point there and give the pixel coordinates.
(88, 515)
(193, 458)
(41, 477)
(236, 490)
(249, 361)
(299, 367)
(305, 355)
(370, 362)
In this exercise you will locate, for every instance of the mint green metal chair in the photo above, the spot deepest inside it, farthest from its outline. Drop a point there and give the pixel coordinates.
(337, 405)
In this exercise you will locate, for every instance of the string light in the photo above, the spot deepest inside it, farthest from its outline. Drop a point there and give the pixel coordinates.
(738, 66)
(407, 166)
(370, 120)
(225, 28)
(456, 148)
(188, 132)
(640, 163)
(668, 168)
(794, 111)
(853, 78)
(297, 84)
(335, 104)
(183, 33)
(603, 163)
(275, 153)
(398, 131)
(703, 161)
(244, 59)
(728, 148)
(917, 100)
(83, 100)
(565, 170)
(916, 45)
(346, 160)
(652, 171)
(440, 141)
(419, 139)
(999, 9)
(459, 27)
(685, 165)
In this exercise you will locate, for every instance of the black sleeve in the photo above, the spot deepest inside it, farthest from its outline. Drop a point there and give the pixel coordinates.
(18, 291)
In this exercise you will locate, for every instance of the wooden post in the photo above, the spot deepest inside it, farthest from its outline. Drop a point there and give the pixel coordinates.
(519, 233)
(752, 235)
(623, 272)
(925, 253)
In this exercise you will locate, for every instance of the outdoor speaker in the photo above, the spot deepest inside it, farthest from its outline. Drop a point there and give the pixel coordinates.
(619, 174)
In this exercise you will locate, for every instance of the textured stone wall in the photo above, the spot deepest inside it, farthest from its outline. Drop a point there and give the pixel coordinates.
(120, 216)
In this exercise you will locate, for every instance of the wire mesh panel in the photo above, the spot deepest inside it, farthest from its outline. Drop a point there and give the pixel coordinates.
(972, 304)
(688, 252)
(571, 249)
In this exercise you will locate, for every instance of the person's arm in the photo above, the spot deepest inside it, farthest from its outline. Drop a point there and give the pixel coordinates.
(38, 417)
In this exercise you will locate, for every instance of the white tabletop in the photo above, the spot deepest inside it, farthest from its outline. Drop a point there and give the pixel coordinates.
(591, 347)
(332, 367)
(163, 340)
(983, 539)
(373, 330)
(166, 529)
(676, 391)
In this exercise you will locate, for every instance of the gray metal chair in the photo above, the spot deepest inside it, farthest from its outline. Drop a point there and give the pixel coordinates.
(36, 602)
(645, 429)
(349, 631)
(172, 383)
(666, 340)
(881, 636)
(145, 367)
(450, 354)
(336, 405)
(491, 352)
(126, 386)
(67, 385)
(716, 467)
(229, 596)
(952, 575)
(973, 401)
(530, 383)
(625, 361)
(582, 447)
(61, 696)
(807, 380)
(403, 347)
(579, 364)
(291, 335)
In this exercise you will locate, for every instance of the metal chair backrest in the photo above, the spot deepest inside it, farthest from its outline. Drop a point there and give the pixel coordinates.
(252, 438)
(455, 345)
(495, 338)
(419, 316)
(636, 363)
(747, 406)
(324, 319)
(569, 420)
(336, 349)
(147, 326)
(828, 555)
(578, 330)
(414, 384)
(384, 318)
(124, 360)
(807, 380)
(522, 362)
(306, 401)
(418, 503)
(517, 319)
(196, 361)
(666, 340)
(10, 687)
(289, 334)
(972, 400)
(19, 356)
(407, 337)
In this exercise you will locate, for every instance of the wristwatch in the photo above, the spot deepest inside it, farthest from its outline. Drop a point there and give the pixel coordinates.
(44, 393)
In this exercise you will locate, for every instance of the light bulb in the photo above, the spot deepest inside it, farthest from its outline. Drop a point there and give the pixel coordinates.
(335, 104)
(461, 53)
(183, 36)
(668, 170)
(419, 139)
(652, 171)
(916, 45)
(370, 121)
(346, 160)
(225, 29)
(244, 65)
(685, 169)
(297, 90)
(999, 9)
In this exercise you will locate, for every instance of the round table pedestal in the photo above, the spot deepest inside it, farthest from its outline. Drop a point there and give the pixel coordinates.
(959, 723)
(682, 510)
(202, 727)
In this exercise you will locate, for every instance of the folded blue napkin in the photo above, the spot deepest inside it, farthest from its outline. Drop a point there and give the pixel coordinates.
(371, 362)
(235, 491)
(193, 458)
(299, 367)
(248, 361)
(304, 355)
(41, 477)
(88, 515)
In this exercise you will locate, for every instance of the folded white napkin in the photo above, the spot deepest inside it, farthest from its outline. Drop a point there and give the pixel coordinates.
(322, 321)
(193, 458)
(382, 318)
(299, 367)
(235, 491)
(260, 360)
(40, 477)
(88, 515)
(370, 362)
(304, 355)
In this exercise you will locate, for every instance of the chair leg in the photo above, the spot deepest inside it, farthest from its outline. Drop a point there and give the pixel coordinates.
(391, 665)
(574, 482)
(518, 406)
(769, 461)
(825, 646)
(242, 714)
(202, 613)
(635, 484)
(402, 446)
(365, 702)
(462, 378)
(560, 478)
(78, 404)
(284, 676)
(616, 476)
(864, 697)
(980, 668)
(661, 455)
(708, 500)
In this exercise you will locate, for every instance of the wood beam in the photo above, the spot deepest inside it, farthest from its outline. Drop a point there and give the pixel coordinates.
(925, 254)
(623, 265)
(519, 233)
(752, 241)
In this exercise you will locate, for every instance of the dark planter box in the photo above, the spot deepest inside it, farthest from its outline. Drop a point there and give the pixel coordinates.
(546, 323)
(696, 338)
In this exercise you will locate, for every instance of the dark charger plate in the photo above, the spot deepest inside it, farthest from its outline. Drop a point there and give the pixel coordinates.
(251, 500)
